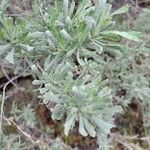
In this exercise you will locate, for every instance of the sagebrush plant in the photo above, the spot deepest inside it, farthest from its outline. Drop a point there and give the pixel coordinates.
(12, 142)
(65, 46)
(78, 38)
(25, 114)
(15, 43)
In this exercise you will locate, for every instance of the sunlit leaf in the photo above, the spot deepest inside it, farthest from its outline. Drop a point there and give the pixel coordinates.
(65, 35)
(121, 10)
(57, 111)
(82, 130)
(4, 48)
(135, 36)
(65, 8)
(89, 128)
(70, 120)
(10, 57)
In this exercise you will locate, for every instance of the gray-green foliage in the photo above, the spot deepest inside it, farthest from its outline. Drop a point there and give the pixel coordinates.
(12, 142)
(86, 100)
(14, 43)
(64, 39)
(25, 115)
(78, 38)
(86, 32)
(131, 73)
(13, 38)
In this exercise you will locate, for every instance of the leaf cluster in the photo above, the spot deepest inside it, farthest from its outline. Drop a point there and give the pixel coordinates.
(65, 49)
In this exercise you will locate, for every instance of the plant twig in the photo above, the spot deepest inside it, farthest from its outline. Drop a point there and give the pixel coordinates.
(28, 136)
(123, 141)
(3, 101)
(6, 75)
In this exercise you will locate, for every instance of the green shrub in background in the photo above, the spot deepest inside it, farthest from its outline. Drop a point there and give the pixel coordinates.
(142, 23)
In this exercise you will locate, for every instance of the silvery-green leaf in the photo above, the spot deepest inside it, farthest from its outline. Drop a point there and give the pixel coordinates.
(86, 78)
(102, 140)
(68, 21)
(70, 120)
(90, 22)
(102, 125)
(121, 10)
(60, 24)
(51, 87)
(89, 128)
(4, 48)
(65, 35)
(10, 57)
(82, 130)
(69, 76)
(99, 8)
(51, 36)
(77, 92)
(52, 97)
(82, 88)
(27, 47)
(84, 5)
(47, 61)
(70, 52)
(97, 47)
(90, 54)
(67, 67)
(4, 5)
(57, 111)
(58, 67)
(53, 62)
(71, 9)
(117, 46)
(88, 10)
(35, 69)
(46, 100)
(109, 112)
(37, 82)
(105, 92)
(80, 61)
(133, 35)
(36, 34)
(65, 8)
(43, 90)
(117, 53)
